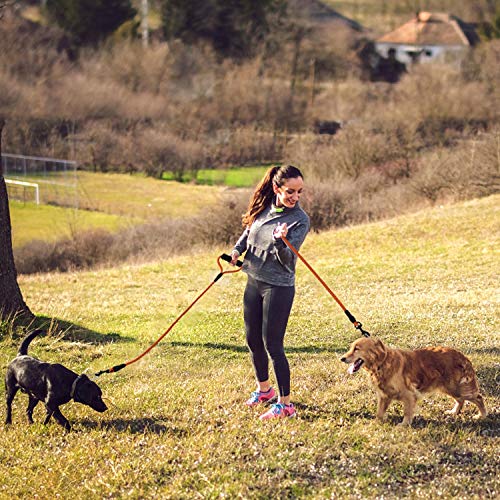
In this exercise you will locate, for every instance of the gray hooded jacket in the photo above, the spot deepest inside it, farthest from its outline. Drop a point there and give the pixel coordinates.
(267, 259)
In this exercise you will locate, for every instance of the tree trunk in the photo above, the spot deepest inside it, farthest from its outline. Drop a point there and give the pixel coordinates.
(11, 300)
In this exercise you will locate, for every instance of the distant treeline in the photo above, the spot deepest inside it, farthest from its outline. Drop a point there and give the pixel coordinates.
(179, 106)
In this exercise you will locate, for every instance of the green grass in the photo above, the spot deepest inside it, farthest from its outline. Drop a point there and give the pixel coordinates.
(109, 201)
(45, 222)
(144, 197)
(234, 177)
(177, 428)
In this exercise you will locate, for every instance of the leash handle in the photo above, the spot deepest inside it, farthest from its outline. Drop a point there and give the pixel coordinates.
(227, 258)
(352, 319)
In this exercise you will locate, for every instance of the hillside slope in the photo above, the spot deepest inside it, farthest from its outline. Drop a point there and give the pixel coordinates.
(177, 426)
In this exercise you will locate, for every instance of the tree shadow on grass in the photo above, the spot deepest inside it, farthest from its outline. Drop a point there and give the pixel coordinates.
(487, 427)
(77, 333)
(144, 425)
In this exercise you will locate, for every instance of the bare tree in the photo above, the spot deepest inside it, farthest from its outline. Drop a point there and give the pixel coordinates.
(11, 300)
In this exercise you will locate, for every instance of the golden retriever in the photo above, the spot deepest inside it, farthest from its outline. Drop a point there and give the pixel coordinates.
(406, 375)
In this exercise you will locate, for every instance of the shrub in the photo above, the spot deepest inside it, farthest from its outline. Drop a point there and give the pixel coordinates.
(450, 107)
(327, 205)
(243, 146)
(99, 146)
(162, 151)
(344, 156)
(483, 65)
(42, 48)
(471, 170)
(83, 250)
(221, 224)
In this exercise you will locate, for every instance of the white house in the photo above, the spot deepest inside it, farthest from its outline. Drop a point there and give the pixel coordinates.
(428, 37)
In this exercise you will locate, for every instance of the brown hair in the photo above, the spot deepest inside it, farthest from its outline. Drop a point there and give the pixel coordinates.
(263, 194)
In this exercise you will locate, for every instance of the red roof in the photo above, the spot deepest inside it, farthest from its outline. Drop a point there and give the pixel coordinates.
(432, 29)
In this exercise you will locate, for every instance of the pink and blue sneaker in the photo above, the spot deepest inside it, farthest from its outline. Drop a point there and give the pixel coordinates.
(259, 397)
(279, 410)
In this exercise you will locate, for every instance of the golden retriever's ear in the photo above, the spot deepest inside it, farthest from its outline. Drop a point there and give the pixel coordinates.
(380, 345)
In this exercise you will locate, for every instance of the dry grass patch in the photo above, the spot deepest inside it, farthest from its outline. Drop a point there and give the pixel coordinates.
(176, 425)
(143, 197)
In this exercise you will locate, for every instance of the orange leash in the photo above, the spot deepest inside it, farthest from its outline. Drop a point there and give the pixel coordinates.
(352, 319)
(224, 257)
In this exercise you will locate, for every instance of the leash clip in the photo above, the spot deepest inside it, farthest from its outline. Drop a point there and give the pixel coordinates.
(359, 326)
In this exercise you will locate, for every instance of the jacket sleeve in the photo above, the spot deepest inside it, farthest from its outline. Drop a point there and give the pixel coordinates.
(296, 237)
(241, 244)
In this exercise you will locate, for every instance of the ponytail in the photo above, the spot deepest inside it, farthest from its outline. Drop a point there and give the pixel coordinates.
(264, 192)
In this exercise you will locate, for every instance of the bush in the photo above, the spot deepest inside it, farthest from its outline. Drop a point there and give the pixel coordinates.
(85, 249)
(471, 170)
(327, 205)
(164, 151)
(344, 156)
(451, 107)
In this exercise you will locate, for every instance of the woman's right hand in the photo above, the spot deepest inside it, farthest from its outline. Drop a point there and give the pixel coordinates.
(234, 257)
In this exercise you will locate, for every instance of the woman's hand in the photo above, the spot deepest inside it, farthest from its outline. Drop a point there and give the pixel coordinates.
(280, 230)
(234, 257)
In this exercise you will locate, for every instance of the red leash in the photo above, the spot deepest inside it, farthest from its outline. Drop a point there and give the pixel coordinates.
(224, 257)
(352, 319)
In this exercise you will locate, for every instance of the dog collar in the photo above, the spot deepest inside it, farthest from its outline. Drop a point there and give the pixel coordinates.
(73, 387)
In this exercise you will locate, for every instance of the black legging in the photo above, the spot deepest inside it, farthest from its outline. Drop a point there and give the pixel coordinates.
(266, 311)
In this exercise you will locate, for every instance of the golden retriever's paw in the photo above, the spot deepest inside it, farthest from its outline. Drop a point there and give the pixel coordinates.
(405, 423)
(478, 416)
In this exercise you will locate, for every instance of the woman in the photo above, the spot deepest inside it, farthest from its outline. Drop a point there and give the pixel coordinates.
(273, 212)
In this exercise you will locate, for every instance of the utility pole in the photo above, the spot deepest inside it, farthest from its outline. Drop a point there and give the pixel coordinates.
(144, 23)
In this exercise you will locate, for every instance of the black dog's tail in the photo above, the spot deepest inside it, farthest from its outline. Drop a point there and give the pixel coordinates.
(23, 348)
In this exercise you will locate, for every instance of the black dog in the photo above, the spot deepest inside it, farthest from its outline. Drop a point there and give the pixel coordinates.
(53, 384)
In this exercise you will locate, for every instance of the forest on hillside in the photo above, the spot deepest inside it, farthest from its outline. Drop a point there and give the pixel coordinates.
(223, 84)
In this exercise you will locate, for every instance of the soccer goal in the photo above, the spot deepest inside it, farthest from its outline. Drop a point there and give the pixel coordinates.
(22, 187)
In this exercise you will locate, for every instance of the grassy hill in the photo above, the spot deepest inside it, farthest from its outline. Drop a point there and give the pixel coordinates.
(177, 428)
(49, 223)
(109, 201)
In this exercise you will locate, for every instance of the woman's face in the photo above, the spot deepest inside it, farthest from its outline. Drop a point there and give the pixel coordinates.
(289, 193)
